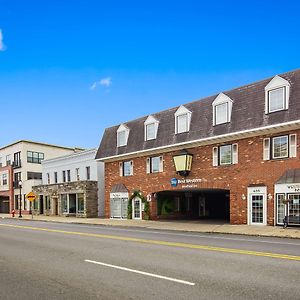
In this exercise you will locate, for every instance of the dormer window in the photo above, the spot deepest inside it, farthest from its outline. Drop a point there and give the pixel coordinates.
(277, 95)
(151, 127)
(182, 120)
(122, 135)
(222, 107)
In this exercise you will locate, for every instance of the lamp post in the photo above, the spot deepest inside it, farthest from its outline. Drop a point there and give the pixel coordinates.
(20, 199)
(183, 163)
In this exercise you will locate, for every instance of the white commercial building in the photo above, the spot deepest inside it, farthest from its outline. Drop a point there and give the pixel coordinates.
(71, 185)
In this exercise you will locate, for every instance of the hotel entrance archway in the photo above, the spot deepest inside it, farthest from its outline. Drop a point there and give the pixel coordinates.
(204, 204)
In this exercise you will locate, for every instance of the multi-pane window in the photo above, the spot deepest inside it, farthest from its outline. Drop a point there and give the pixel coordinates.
(35, 157)
(69, 175)
(34, 175)
(64, 203)
(0, 162)
(17, 179)
(154, 164)
(47, 202)
(150, 131)
(64, 179)
(277, 99)
(77, 174)
(182, 123)
(80, 203)
(8, 160)
(225, 155)
(280, 147)
(88, 173)
(48, 178)
(221, 113)
(121, 138)
(126, 168)
(55, 177)
(4, 179)
(17, 159)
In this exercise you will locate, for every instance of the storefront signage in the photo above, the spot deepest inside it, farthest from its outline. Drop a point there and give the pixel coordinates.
(185, 182)
(118, 195)
(294, 187)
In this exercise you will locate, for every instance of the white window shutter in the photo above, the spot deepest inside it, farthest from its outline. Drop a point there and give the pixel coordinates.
(235, 153)
(121, 169)
(266, 154)
(161, 164)
(148, 165)
(131, 167)
(215, 156)
(293, 145)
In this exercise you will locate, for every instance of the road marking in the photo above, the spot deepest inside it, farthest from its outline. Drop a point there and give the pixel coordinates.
(140, 272)
(161, 243)
(195, 235)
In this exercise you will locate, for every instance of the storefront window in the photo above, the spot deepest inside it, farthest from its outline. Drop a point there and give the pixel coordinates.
(80, 203)
(64, 203)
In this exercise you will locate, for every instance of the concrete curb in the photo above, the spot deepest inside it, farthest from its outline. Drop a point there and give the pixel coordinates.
(266, 231)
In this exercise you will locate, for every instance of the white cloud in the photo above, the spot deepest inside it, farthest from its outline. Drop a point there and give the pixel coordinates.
(104, 82)
(2, 46)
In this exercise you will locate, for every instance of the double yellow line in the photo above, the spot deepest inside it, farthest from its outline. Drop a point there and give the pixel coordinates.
(161, 243)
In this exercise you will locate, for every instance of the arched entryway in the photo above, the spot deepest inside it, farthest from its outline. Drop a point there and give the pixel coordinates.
(209, 204)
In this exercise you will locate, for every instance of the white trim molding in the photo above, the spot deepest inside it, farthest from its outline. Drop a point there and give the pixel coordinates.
(125, 129)
(222, 99)
(183, 111)
(270, 129)
(276, 83)
(151, 120)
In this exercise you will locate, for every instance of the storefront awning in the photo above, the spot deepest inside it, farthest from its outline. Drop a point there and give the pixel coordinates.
(290, 176)
(119, 188)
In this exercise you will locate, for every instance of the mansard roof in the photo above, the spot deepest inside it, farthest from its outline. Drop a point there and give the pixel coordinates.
(248, 113)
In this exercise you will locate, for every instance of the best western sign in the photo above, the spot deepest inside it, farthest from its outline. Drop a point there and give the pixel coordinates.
(185, 183)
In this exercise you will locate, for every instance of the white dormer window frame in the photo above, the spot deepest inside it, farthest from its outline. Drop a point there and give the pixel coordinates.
(150, 121)
(222, 108)
(277, 87)
(122, 135)
(182, 115)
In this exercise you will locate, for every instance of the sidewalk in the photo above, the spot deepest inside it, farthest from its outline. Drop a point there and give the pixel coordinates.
(187, 226)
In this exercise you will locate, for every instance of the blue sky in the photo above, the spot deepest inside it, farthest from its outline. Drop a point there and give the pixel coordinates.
(68, 69)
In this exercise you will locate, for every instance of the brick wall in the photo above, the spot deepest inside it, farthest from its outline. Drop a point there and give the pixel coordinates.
(251, 169)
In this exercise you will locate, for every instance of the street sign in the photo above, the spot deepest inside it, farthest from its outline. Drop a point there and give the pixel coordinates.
(31, 196)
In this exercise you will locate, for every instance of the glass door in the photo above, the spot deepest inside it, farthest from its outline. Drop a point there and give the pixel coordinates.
(257, 209)
(136, 208)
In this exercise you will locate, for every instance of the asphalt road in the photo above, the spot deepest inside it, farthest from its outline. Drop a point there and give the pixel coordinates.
(41, 260)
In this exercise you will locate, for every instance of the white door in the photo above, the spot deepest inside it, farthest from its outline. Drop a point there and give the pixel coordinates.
(257, 209)
(136, 208)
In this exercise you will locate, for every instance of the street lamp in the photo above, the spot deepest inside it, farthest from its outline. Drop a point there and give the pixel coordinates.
(183, 163)
(20, 209)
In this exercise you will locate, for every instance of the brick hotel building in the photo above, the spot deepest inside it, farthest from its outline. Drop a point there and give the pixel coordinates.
(232, 156)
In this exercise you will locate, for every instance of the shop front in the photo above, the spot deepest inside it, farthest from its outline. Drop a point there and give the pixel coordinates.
(119, 198)
(78, 199)
(287, 193)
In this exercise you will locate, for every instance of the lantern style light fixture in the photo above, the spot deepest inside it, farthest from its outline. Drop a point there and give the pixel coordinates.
(183, 163)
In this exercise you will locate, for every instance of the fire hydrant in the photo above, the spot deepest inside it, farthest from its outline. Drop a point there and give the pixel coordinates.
(13, 213)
